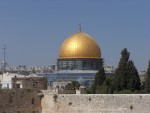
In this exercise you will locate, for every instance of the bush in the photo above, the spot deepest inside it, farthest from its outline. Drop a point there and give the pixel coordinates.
(123, 92)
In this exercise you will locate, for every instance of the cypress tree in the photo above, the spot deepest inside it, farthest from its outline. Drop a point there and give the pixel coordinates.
(121, 72)
(147, 81)
(100, 77)
(133, 79)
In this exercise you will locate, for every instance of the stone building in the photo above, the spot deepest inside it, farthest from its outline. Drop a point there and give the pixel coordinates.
(12, 81)
(30, 82)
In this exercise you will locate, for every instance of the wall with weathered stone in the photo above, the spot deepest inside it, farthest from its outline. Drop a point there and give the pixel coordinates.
(98, 103)
(20, 101)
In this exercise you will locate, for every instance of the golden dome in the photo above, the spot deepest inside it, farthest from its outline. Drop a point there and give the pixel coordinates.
(79, 45)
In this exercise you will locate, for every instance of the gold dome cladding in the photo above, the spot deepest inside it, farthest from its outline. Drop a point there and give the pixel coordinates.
(79, 45)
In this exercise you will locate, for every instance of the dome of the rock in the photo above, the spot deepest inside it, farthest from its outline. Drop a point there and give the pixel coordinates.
(79, 45)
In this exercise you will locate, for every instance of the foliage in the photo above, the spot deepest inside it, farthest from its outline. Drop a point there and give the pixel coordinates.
(72, 86)
(123, 92)
(91, 90)
(103, 89)
(55, 97)
(106, 87)
(125, 81)
(121, 72)
(134, 82)
(147, 80)
(127, 77)
(100, 77)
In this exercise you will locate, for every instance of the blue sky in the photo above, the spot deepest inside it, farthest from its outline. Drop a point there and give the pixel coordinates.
(33, 30)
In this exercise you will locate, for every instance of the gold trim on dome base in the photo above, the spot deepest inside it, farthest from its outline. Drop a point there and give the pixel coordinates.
(79, 45)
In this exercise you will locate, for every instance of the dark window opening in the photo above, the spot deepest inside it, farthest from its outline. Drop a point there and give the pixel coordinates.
(34, 85)
(32, 100)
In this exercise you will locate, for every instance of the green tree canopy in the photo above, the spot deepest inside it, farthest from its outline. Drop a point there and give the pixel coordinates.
(126, 79)
(73, 85)
(99, 79)
(134, 82)
(122, 71)
(147, 80)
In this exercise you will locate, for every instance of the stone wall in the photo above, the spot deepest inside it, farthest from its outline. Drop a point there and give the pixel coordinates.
(98, 103)
(20, 101)
(47, 101)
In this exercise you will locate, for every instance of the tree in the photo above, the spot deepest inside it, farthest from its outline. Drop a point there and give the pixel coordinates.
(147, 80)
(121, 72)
(91, 90)
(126, 79)
(99, 78)
(134, 82)
(73, 85)
(106, 87)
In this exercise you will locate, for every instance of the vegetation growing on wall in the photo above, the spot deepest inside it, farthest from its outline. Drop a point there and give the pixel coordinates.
(55, 97)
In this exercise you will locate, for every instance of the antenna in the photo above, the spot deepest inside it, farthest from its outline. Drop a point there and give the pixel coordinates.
(79, 27)
(4, 59)
(4, 50)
